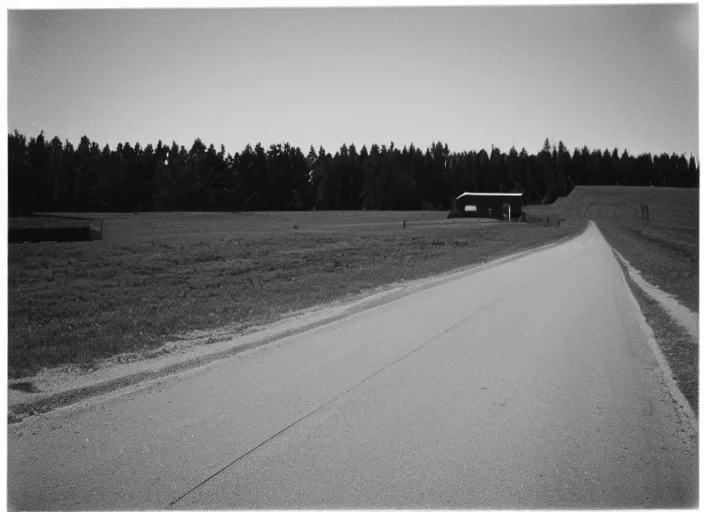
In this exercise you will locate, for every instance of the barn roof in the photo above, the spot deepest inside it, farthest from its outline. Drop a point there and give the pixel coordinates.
(501, 194)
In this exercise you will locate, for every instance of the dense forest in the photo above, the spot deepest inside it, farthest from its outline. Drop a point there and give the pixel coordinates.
(51, 175)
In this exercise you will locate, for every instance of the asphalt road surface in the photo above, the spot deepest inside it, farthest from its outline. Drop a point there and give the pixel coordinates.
(528, 384)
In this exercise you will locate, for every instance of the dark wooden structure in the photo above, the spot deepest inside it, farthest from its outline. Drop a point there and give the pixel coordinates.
(494, 205)
(53, 228)
(53, 234)
(644, 212)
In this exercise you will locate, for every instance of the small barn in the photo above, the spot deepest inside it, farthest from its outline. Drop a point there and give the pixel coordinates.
(497, 205)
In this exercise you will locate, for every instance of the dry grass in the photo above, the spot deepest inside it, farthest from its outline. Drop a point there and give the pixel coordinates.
(157, 275)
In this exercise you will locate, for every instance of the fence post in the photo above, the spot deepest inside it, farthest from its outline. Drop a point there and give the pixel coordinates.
(644, 213)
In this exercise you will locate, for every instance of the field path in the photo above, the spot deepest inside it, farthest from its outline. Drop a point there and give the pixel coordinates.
(528, 384)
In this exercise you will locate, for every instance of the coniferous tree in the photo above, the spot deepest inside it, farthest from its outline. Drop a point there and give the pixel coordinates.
(54, 176)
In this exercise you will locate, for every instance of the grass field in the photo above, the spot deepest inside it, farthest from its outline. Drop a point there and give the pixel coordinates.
(158, 275)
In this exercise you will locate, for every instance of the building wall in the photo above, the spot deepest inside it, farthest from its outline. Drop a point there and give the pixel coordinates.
(488, 206)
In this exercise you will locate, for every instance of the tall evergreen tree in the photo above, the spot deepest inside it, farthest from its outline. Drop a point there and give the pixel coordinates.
(54, 176)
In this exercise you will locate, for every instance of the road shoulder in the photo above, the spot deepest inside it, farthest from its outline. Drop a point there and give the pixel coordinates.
(675, 348)
(687, 320)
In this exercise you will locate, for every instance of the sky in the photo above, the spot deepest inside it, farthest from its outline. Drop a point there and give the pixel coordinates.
(603, 76)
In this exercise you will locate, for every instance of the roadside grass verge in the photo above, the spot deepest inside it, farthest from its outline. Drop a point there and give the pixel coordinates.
(681, 352)
(159, 275)
(665, 257)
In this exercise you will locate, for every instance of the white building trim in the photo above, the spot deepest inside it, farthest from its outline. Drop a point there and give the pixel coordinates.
(514, 194)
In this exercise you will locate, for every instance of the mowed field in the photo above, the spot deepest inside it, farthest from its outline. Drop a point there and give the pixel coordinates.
(158, 275)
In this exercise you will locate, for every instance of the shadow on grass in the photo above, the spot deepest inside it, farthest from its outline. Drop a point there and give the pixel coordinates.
(25, 386)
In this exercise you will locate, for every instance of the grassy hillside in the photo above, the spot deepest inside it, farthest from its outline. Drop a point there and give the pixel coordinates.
(156, 275)
(668, 206)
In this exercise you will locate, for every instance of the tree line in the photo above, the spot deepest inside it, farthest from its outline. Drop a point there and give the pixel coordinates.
(51, 175)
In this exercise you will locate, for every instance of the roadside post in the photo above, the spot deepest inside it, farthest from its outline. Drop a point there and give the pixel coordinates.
(644, 213)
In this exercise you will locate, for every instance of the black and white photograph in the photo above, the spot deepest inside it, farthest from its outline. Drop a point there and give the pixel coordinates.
(352, 255)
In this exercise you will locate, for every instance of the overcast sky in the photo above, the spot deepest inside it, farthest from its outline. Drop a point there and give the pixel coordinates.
(600, 76)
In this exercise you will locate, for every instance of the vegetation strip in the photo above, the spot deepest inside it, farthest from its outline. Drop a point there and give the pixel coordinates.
(677, 355)
(686, 318)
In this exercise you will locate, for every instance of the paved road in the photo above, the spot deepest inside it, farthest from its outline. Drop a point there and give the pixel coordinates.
(527, 384)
